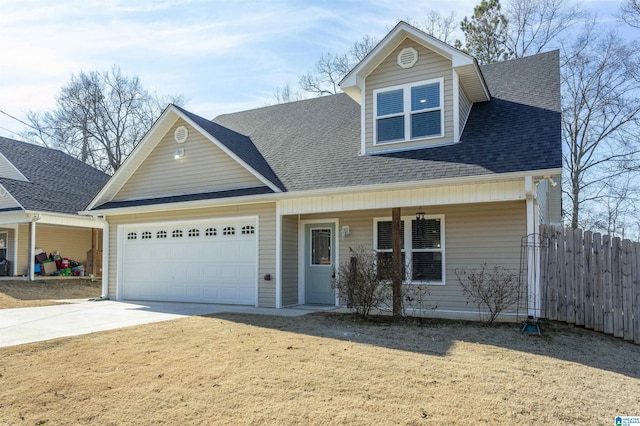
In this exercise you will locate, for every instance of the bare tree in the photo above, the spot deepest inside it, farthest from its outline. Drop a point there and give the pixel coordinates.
(326, 75)
(439, 26)
(331, 67)
(535, 25)
(600, 111)
(99, 117)
(285, 94)
(630, 12)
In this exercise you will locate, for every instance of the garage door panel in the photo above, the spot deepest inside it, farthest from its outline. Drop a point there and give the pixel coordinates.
(213, 262)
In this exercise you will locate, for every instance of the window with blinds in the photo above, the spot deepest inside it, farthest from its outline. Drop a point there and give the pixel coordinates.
(422, 248)
(410, 111)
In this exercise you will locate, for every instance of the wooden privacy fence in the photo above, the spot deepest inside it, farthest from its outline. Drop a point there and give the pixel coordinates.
(591, 280)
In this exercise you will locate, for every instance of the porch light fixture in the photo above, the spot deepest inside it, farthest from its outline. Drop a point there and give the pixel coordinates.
(178, 154)
(344, 231)
(421, 224)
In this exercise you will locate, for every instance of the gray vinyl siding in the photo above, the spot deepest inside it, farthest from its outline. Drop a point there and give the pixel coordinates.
(289, 260)
(430, 65)
(204, 168)
(266, 240)
(474, 233)
(465, 108)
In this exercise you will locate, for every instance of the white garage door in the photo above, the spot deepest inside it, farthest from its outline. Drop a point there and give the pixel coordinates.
(205, 262)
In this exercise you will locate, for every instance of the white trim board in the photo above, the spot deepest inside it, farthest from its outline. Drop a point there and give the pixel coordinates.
(301, 247)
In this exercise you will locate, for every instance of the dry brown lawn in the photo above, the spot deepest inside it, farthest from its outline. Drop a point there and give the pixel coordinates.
(322, 368)
(26, 294)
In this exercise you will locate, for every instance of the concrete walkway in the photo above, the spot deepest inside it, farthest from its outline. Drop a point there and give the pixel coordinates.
(27, 325)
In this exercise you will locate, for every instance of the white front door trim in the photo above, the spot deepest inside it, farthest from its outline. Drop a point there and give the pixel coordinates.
(301, 256)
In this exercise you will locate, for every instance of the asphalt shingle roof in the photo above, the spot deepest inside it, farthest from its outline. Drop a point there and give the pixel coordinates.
(315, 143)
(57, 181)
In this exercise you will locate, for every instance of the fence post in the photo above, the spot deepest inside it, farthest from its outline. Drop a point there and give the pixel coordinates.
(607, 305)
(578, 278)
(616, 267)
(627, 290)
(570, 261)
(588, 280)
(596, 293)
(552, 274)
(562, 276)
(544, 279)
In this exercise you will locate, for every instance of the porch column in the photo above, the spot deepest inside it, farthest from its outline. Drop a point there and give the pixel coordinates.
(32, 248)
(105, 260)
(278, 257)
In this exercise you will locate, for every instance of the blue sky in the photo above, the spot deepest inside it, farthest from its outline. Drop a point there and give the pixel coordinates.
(223, 56)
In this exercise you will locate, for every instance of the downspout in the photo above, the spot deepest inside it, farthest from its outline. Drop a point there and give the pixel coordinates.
(533, 263)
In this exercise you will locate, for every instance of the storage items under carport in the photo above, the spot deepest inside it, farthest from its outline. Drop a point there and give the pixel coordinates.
(57, 265)
(4, 267)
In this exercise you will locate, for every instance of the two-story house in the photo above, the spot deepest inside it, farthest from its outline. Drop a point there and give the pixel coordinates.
(259, 207)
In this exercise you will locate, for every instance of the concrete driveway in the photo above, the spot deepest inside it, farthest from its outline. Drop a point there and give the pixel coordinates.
(26, 325)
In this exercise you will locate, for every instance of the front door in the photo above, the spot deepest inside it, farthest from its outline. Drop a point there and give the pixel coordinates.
(319, 255)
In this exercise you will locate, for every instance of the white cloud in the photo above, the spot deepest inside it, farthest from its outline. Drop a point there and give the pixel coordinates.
(223, 55)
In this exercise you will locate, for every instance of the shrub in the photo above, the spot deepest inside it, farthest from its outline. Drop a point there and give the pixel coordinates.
(495, 288)
(359, 282)
(365, 283)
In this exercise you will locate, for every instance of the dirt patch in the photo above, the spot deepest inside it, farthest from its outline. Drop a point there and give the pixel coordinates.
(320, 369)
(24, 293)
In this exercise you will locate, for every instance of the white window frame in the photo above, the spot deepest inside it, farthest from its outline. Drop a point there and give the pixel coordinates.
(408, 249)
(407, 113)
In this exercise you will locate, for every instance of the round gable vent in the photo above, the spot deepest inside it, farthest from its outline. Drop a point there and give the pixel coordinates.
(407, 57)
(181, 134)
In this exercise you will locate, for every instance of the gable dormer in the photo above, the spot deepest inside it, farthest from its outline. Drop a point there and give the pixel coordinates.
(414, 91)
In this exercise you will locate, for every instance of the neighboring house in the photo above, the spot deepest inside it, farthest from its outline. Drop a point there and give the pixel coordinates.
(41, 192)
(259, 207)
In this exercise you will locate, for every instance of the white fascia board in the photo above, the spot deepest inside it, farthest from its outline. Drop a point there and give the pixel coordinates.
(267, 198)
(14, 217)
(230, 153)
(137, 156)
(74, 220)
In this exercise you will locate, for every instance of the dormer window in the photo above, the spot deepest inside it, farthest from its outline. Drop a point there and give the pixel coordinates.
(408, 112)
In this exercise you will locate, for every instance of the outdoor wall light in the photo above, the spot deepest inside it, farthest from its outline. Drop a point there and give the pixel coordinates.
(421, 224)
(178, 154)
(344, 231)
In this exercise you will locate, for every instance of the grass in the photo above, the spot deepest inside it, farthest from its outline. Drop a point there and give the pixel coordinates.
(26, 294)
(322, 368)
